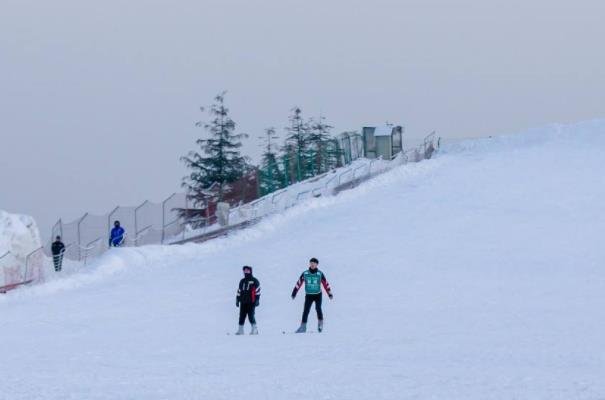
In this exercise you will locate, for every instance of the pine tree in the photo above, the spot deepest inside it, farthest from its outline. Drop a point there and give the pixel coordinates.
(221, 162)
(270, 175)
(288, 162)
(297, 144)
(323, 153)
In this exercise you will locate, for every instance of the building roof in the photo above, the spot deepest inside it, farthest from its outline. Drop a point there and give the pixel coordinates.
(383, 130)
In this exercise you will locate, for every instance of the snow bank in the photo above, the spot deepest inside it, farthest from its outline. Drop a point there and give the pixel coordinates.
(19, 234)
(19, 237)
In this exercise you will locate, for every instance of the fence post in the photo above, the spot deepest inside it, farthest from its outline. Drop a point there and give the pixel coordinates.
(27, 258)
(136, 223)
(89, 247)
(80, 237)
(164, 216)
(27, 265)
(186, 214)
(1, 257)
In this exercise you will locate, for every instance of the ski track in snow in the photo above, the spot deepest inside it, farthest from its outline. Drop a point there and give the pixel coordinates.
(475, 275)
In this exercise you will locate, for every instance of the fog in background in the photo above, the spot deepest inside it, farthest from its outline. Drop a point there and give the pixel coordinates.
(98, 100)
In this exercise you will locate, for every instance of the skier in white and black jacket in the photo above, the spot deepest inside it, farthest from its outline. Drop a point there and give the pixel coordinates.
(248, 298)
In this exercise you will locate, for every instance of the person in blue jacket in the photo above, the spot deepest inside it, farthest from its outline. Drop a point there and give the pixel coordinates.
(116, 236)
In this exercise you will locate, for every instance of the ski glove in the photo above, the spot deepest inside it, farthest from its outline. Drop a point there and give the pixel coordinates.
(256, 302)
(293, 294)
(330, 296)
(237, 302)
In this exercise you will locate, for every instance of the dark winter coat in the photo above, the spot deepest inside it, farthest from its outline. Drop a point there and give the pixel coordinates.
(57, 248)
(248, 291)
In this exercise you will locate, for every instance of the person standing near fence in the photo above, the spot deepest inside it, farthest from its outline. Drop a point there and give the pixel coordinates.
(57, 249)
(116, 236)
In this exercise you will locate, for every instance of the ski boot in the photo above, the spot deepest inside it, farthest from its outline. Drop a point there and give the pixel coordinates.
(254, 330)
(320, 325)
(240, 330)
(302, 328)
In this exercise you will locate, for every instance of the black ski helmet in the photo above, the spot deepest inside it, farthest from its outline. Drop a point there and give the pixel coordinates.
(245, 267)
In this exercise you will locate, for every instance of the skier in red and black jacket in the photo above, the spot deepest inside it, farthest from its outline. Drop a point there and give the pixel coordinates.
(248, 298)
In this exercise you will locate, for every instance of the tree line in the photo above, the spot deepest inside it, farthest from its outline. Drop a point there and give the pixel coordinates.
(218, 166)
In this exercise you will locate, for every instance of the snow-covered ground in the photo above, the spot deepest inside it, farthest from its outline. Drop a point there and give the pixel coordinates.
(476, 275)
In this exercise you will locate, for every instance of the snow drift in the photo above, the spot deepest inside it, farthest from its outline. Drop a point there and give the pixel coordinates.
(475, 275)
(19, 237)
(19, 234)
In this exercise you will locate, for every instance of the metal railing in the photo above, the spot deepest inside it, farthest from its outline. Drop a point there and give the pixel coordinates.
(146, 223)
(16, 271)
(160, 223)
(331, 183)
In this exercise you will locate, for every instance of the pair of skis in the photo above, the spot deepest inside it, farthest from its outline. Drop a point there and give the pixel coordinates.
(283, 333)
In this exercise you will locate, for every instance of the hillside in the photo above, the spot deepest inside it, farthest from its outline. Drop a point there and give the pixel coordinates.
(475, 275)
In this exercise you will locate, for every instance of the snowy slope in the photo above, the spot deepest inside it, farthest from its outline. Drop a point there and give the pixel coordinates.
(475, 275)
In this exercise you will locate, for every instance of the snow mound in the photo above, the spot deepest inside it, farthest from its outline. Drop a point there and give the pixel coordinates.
(19, 237)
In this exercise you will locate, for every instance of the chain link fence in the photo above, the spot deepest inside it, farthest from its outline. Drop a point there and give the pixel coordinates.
(147, 223)
(161, 223)
(156, 223)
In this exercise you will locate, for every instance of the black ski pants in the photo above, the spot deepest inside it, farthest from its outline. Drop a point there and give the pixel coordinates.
(309, 300)
(247, 310)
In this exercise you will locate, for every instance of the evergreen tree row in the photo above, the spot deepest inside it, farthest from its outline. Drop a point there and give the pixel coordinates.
(307, 151)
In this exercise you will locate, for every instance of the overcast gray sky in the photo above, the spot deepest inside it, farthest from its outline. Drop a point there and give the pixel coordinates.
(98, 99)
